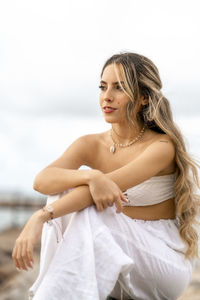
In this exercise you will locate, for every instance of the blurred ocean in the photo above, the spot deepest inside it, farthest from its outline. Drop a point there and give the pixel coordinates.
(29, 143)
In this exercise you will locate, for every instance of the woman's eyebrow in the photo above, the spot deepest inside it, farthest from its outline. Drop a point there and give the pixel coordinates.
(117, 82)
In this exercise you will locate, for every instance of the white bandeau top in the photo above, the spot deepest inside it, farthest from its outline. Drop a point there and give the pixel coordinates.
(151, 191)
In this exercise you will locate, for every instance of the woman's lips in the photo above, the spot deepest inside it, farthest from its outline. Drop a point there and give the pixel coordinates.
(108, 109)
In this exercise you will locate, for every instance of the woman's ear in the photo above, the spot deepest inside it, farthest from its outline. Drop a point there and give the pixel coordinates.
(144, 101)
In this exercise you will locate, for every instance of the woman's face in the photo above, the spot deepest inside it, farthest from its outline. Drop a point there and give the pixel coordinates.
(113, 100)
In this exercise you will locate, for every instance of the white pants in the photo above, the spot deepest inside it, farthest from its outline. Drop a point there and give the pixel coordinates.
(104, 253)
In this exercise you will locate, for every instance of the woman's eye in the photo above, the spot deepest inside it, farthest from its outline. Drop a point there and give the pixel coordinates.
(102, 87)
(118, 87)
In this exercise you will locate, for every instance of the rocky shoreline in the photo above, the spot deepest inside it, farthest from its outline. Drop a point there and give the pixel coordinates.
(14, 285)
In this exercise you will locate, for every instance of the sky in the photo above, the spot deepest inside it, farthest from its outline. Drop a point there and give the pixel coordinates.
(52, 52)
(51, 56)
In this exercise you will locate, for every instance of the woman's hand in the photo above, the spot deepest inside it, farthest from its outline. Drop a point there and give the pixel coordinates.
(23, 249)
(105, 192)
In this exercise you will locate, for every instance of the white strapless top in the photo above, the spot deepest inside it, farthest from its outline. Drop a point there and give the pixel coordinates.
(151, 191)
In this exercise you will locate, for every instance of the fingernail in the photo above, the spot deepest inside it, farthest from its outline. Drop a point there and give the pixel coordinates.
(18, 269)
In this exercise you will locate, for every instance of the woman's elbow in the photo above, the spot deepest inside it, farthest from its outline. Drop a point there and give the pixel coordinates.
(37, 185)
(43, 187)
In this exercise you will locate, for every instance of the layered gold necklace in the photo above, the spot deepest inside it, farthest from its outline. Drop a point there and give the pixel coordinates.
(113, 147)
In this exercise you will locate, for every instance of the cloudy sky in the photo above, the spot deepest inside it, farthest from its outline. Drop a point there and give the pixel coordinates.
(52, 52)
(51, 55)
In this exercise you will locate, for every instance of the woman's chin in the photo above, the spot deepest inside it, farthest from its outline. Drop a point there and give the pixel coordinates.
(110, 119)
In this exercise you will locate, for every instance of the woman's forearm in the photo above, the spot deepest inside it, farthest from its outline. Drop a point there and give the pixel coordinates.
(76, 200)
(56, 180)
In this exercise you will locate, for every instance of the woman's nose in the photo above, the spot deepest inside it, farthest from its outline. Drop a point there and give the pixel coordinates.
(108, 96)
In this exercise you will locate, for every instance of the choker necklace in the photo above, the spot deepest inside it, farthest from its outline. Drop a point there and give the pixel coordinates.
(113, 147)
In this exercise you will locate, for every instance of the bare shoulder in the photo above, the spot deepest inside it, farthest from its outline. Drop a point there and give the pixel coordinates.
(90, 141)
(164, 138)
(155, 140)
(80, 152)
(163, 148)
(157, 159)
(86, 147)
(165, 141)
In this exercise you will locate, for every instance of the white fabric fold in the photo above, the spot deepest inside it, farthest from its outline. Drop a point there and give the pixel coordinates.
(105, 253)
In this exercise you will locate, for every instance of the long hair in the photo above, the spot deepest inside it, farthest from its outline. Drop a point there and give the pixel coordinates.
(141, 78)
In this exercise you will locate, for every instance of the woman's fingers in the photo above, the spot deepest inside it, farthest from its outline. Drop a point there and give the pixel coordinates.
(30, 253)
(99, 206)
(105, 204)
(19, 258)
(14, 257)
(118, 205)
(123, 196)
(116, 198)
(110, 200)
(26, 254)
(23, 255)
(23, 248)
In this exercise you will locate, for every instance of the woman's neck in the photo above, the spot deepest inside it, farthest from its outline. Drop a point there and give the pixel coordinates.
(125, 133)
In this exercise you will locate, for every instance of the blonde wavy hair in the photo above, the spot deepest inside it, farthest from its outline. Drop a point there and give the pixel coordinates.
(141, 78)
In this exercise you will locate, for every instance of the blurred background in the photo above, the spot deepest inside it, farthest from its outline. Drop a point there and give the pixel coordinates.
(51, 55)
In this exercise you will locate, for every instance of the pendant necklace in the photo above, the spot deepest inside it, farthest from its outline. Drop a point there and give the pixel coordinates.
(113, 147)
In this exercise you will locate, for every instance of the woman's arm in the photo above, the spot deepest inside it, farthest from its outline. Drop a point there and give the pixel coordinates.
(149, 163)
(54, 180)
(76, 200)
(62, 174)
(154, 159)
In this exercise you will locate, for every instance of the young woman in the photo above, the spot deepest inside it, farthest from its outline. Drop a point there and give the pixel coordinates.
(145, 247)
